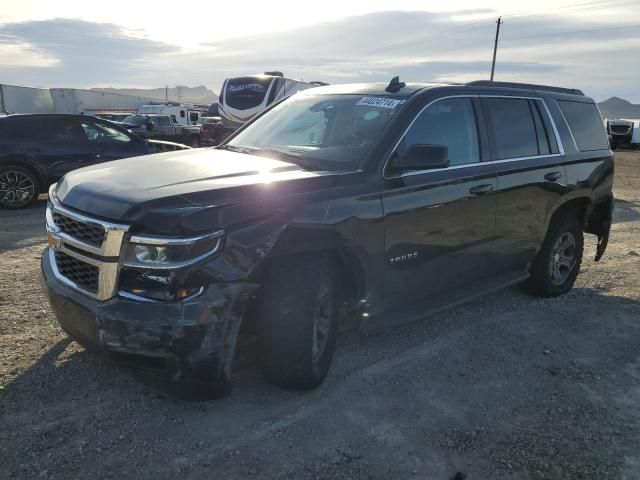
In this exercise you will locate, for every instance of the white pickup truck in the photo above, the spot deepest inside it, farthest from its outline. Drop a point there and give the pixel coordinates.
(162, 127)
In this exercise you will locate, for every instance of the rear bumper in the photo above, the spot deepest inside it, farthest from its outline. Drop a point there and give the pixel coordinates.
(191, 343)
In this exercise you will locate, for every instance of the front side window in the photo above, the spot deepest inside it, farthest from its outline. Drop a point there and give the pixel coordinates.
(164, 121)
(322, 131)
(103, 133)
(60, 131)
(450, 122)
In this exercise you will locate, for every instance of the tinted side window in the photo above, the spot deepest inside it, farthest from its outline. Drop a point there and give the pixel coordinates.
(513, 127)
(449, 122)
(585, 124)
(164, 121)
(60, 131)
(541, 133)
(19, 129)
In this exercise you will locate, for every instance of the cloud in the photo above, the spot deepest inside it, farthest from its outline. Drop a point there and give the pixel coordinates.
(84, 52)
(565, 50)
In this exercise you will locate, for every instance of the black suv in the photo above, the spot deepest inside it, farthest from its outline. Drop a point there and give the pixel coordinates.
(36, 150)
(375, 203)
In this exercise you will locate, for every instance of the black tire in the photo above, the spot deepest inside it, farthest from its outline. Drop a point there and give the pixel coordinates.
(298, 305)
(194, 142)
(19, 187)
(557, 264)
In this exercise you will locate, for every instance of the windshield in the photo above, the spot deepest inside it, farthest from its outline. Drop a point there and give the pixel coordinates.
(324, 131)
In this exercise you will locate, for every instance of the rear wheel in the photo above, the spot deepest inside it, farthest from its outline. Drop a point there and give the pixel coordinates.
(19, 187)
(297, 324)
(557, 264)
(195, 142)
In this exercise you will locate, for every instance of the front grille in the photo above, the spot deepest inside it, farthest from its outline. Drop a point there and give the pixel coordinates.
(88, 233)
(620, 129)
(82, 274)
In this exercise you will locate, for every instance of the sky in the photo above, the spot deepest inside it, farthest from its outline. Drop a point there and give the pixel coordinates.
(588, 44)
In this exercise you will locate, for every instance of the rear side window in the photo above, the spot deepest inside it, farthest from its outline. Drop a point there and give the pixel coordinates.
(18, 129)
(586, 125)
(514, 128)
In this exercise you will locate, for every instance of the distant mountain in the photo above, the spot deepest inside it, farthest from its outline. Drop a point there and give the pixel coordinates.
(200, 94)
(619, 108)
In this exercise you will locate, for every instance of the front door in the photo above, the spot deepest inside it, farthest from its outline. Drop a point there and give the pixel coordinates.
(108, 142)
(439, 224)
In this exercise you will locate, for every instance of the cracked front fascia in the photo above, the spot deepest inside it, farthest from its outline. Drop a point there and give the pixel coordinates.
(200, 330)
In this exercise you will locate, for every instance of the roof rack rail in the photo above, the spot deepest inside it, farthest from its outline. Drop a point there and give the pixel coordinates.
(528, 86)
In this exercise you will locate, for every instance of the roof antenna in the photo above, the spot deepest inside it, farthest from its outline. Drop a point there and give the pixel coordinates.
(395, 85)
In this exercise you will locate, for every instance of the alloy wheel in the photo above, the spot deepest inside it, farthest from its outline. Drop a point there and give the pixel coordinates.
(563, 258)
(16, 188)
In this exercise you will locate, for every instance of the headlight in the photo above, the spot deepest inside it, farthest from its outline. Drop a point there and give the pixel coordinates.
(170, 253)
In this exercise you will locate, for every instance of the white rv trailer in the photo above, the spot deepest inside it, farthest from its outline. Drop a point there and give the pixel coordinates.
(242, 98)
(623, 132)
(181, 114)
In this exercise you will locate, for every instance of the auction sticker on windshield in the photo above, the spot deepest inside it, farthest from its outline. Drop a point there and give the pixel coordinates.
(379, 102)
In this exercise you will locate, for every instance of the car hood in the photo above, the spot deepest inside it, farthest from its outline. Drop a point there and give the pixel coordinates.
(152, 188)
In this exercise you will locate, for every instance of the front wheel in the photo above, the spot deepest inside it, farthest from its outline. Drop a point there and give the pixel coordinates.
(297, 325)
(19, 187)
(557, 264)
(195, 142)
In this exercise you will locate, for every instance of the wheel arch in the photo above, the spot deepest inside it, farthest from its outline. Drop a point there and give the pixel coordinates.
(329, 245)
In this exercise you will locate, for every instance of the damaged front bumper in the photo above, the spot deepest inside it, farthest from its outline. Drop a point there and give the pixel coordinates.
(188, 345)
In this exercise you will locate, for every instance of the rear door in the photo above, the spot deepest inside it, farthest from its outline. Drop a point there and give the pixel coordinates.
(531, 176)
(62, 145)
(439, 223)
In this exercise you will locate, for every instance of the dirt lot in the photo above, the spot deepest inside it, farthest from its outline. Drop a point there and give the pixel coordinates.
(506, 387)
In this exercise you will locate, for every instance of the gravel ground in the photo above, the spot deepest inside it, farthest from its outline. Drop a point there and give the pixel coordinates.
(505, 387)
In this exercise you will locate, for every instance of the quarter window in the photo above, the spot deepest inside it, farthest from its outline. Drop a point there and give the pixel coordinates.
(450, 122)
(586, 125)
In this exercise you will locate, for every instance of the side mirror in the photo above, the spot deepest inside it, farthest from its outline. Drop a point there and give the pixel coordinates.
(422, 157)
(149, 126)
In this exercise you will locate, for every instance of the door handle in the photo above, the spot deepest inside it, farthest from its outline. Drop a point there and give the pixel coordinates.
(481, 189)
(553, 176)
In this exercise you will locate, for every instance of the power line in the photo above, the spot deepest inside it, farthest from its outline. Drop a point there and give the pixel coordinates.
(554, 34)
(421, 38)
(520, 16)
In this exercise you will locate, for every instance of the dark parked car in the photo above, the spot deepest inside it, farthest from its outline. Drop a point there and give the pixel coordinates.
(370, 203)
(37, 150)
(213, 132)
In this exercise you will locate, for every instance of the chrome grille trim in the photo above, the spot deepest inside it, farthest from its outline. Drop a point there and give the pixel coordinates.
(105, 257)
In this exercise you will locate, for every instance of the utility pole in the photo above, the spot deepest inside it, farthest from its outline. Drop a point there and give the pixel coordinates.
(495, 47)
(166, 93)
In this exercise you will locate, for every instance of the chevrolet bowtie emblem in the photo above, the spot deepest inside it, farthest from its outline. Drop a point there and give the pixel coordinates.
(55, 241)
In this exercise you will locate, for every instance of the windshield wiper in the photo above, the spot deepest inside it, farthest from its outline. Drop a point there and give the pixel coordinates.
(233, 148)
(284, 156)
